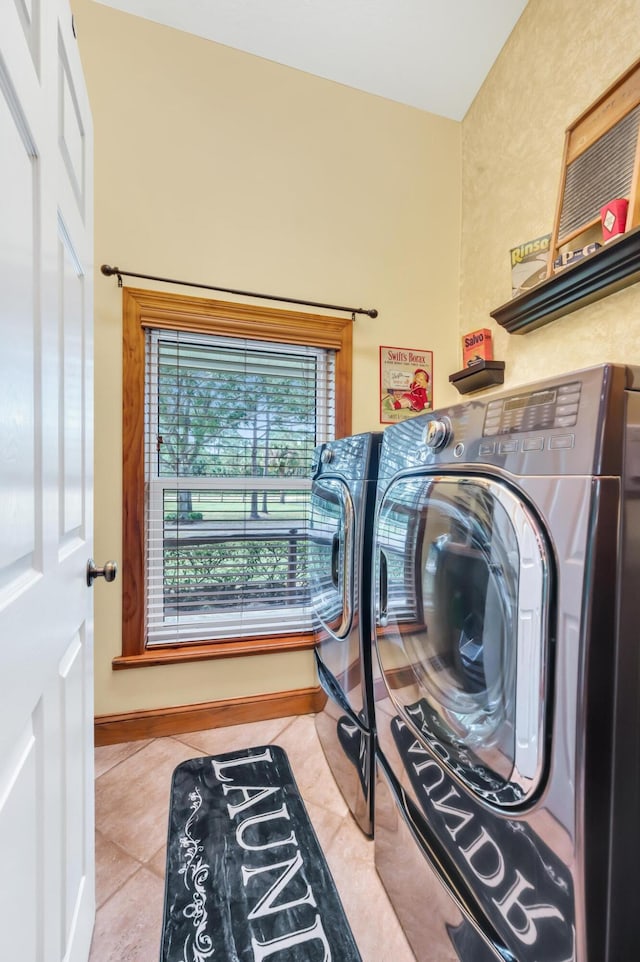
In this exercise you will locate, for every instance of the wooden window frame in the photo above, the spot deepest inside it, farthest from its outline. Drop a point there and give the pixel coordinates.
(144, 309)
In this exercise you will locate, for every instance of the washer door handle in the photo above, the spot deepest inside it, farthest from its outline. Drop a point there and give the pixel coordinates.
(383, 614)
(335, 558)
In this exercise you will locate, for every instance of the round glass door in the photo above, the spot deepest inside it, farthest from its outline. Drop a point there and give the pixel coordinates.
(330, 554)
(462, 576)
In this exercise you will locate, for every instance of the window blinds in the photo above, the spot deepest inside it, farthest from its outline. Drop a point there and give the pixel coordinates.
(230, 427)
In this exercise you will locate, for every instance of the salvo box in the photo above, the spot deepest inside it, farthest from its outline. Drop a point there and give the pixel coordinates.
(477, 346)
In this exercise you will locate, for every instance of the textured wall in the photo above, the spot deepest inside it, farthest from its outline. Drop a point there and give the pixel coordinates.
(558, 60)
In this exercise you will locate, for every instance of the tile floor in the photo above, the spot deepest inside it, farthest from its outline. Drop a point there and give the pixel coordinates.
(132, 797)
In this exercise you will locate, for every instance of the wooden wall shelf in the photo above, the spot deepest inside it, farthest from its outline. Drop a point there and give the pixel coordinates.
(478, 376)
(607, 270)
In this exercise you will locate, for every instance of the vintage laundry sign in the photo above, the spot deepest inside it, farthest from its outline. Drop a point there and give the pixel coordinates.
(406, 383)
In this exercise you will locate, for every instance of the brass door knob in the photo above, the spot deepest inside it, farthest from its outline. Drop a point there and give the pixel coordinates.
(108, 572)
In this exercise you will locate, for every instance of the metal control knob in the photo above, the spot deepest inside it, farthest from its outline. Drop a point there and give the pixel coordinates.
(437, 433)
(327, 456)
(108, 572)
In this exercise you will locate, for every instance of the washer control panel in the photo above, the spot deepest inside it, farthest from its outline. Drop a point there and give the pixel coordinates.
(555, 407)
(556, 427)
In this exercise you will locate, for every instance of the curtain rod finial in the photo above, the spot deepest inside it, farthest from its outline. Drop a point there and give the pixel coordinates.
(110, 271)
(372, 312)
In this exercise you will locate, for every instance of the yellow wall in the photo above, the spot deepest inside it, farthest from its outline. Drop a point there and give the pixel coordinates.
(218, 167)
(558, 60)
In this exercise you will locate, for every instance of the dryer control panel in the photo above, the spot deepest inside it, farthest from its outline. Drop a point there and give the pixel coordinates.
(569, 424)
(555, 407)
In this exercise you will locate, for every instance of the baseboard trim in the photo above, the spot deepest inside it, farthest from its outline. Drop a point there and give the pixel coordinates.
(160, 722)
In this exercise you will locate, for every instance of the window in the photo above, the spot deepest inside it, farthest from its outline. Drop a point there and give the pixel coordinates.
(222, 407)
(231, 426)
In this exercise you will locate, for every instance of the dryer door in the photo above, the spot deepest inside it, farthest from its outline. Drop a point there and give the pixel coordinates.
(462, 634)
(331, 550)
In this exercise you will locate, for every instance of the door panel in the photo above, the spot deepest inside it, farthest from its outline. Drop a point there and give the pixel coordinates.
(72, 380)
(17, 388)
(47, 899)
(19, 783)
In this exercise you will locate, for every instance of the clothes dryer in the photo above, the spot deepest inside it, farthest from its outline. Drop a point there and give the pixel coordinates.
(507, 585)
(340, 567)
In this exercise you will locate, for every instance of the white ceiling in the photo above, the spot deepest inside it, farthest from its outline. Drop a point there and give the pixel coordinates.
(429, 54)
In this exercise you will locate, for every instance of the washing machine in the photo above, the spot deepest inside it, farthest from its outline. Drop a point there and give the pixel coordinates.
(340, 573)
(507, 592)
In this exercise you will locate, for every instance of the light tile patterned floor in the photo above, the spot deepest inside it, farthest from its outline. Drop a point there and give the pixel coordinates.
(132, 798)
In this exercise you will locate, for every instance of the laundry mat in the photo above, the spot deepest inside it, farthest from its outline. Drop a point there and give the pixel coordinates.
(246, 879)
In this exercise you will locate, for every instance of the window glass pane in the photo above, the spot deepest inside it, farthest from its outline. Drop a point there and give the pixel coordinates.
(231, 426)
(240, 411)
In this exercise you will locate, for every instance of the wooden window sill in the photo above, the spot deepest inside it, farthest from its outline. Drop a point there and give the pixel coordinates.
(206, 651)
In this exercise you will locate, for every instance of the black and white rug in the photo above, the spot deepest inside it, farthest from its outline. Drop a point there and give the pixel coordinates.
(246, 878)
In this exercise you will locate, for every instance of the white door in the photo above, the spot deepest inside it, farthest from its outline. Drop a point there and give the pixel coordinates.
(47, 899)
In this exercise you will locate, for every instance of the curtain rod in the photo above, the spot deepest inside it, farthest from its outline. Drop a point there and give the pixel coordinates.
(110, 271)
